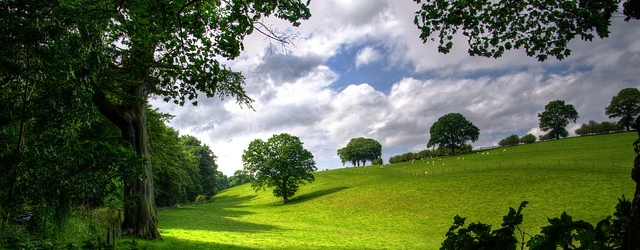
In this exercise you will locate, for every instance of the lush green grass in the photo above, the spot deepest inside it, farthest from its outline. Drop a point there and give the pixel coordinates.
(412, 205)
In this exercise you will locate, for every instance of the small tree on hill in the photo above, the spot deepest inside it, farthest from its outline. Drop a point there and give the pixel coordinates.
(452, 131)
(511, 140)
(556, 116)
(281, 162)
(528, 139)
(360, 150)
(626, 104)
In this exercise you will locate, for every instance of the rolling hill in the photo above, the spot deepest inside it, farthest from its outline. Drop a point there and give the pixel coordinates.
(411, 205)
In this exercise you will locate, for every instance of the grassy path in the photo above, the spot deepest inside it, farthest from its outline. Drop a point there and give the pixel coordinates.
(411, 205)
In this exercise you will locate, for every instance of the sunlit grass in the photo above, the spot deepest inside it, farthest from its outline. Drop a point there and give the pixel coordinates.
(411, 205)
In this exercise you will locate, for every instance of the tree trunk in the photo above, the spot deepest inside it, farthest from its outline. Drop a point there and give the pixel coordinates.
(632, 229)
(140, 215)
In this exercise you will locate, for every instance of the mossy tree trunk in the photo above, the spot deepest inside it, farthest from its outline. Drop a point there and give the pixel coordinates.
(140, 215)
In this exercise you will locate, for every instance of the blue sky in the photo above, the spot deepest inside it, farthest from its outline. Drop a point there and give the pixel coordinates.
(360, 69)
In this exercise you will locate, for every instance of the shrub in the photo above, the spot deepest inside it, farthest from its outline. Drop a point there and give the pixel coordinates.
(201, 199)
(563, 232)
(528, 139)
(511, 140)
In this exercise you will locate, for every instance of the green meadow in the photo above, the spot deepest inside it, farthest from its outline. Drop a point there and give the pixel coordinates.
(411, 205)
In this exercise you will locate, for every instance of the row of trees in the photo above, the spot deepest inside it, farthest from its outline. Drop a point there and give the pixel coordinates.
(427, 153)
(594, 128)
(57, 163)
(183, 167)
(513, 140)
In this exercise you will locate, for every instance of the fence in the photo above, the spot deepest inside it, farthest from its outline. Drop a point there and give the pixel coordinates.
(422, 169)
(114, 231)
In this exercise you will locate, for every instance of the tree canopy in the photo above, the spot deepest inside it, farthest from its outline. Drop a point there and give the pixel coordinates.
(360, 150)
(626, 105)
(542, 28)
(511, 140)
(555, 117)
(280, 163)
(452, 131)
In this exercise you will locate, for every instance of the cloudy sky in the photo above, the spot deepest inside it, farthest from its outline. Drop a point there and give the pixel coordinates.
(359, 69)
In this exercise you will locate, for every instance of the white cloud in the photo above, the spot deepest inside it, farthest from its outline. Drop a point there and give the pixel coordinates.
(366, 56)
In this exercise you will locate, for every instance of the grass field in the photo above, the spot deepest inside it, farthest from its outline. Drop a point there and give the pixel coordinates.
(412, 205)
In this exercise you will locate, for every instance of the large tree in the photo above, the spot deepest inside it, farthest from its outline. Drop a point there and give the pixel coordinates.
(626, 105)
(555, 117)
(280, 163)
(121, 52)
(360, 150)
(452, 131)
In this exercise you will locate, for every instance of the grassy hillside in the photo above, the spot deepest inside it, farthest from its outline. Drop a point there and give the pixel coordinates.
(411, 205)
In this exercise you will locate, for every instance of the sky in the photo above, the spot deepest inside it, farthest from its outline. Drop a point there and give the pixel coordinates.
(359, 69)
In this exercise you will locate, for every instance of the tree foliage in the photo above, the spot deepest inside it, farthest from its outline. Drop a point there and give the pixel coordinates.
(562, 233)
(452, 131)
(280, 163)
(555, 117)
(240, 177)
(360, 150)
(542, 28)
(594, 128)
(511, 140)
(183, 167)
(528, 139)
(626, 105)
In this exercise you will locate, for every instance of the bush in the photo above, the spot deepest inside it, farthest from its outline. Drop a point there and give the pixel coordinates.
(528, 139)
(511, 140)
(377, 161)
(201, 199)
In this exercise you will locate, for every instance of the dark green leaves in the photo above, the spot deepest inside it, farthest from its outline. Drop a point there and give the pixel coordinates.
(556, 116)
(452, 131)
(543, 28)
(281, 162)
(360, 150)
(562, 233)
(480, 236)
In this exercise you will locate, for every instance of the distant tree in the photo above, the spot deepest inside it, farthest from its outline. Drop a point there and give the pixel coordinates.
(206, 163)
(511, 140)
(452, 131)
(626, 104)
(593, 128)
(221, 181)
(528, 139)
(240, 177)
(360, 150)
(556, 116)
(280, 162)
(377, 161)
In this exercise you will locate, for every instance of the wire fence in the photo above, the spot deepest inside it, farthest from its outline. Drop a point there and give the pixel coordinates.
(436, 167)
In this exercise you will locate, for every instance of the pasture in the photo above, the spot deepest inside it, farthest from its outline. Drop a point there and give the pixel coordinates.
(411, 205)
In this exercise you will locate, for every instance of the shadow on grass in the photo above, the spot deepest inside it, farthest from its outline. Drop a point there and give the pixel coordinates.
(317, 194)
(216, 216)
(175, 243)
